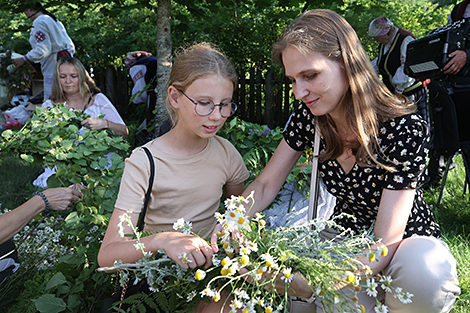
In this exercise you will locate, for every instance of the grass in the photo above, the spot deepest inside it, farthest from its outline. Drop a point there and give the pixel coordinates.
(453, 215)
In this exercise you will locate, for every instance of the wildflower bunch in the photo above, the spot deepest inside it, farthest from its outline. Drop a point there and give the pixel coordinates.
(252, 260)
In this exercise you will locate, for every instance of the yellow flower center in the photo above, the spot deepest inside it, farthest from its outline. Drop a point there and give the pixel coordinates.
(224, 272)
(225, 262)
(217, 297)
(384, 251)
(232, 214)
(268, 310)
(287, 275)
(268, 263)
(371, 257)
(350, 278)
(244, 260)
(241, 220)
(200, 275)
(262, 222)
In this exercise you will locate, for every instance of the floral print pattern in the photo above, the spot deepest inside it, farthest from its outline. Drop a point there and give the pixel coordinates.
(402, 143)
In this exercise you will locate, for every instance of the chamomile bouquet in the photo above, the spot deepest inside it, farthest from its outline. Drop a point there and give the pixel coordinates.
(249, 264)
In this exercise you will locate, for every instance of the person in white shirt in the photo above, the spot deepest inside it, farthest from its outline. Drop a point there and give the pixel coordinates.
(49, 41)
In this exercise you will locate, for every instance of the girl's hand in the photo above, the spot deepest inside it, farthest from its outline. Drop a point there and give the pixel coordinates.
(95, 123)
(188, 251)
(236, 236)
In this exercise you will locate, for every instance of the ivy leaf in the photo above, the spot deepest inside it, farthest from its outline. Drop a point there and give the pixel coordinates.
(49, 303)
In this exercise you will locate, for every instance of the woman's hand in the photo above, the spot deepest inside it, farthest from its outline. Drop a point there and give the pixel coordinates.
(61, 198)
(188, 251)
(95, 123)
(101, 123)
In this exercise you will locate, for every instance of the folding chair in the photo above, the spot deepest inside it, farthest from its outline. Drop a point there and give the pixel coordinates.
(446, 142)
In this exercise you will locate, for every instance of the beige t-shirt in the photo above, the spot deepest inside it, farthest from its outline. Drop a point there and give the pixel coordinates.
(184, 187)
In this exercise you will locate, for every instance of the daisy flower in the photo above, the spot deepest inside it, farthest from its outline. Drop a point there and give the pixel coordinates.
(371, 288)
(184, 258)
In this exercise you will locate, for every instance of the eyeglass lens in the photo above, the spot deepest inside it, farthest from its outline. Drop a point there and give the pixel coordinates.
(206, 106)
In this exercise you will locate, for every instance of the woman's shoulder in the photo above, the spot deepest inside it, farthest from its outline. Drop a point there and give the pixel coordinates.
(100, 99)
(410, 130)
(405, 122)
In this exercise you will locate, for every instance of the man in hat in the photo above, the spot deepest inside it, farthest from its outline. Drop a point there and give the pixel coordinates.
(390, 62)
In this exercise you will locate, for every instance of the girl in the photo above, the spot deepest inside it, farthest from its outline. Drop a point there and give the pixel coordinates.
(192, 166)
(73, 86)
(372, 158)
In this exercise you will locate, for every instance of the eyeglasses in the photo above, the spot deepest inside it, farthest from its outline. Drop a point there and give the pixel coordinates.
(205, 107)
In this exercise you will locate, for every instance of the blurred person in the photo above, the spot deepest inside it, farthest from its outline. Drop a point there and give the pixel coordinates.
(49, 41)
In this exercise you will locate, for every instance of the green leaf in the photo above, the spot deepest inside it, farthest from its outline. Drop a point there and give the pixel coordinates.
(56, 280)
(70, 259)
(28, 158)
(73, 301)
(49, 303)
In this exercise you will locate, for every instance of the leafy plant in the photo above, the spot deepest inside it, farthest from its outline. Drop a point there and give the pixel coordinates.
(93, 159)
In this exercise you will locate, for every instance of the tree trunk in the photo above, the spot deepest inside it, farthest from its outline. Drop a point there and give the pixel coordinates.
(163, 59)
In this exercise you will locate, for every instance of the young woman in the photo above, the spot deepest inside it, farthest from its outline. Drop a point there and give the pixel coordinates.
(372, 158)
(193, 166)
(74, 86)
(49, 41)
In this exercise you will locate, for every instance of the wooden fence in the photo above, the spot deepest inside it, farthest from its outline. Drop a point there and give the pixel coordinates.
(260, 98)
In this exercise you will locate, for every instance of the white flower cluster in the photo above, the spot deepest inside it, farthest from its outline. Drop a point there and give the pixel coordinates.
(40, 244)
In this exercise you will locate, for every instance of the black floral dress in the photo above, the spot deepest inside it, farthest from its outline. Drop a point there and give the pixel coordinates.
(402, 144)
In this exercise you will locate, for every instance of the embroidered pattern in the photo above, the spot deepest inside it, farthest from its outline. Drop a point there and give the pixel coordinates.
(40, 36)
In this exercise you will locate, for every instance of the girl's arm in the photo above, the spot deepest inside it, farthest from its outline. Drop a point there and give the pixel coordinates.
(175, 244)
(267, 185)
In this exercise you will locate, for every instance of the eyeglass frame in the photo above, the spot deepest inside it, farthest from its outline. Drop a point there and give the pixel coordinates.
(220, 105)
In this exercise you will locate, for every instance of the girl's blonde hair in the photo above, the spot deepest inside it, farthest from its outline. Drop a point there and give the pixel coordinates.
(366, 102)
(87, 84)
(197, 61)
